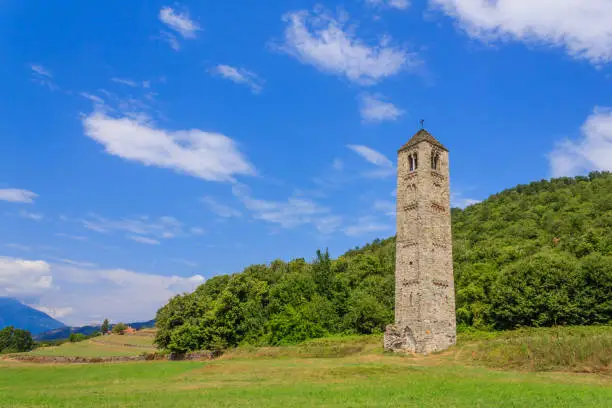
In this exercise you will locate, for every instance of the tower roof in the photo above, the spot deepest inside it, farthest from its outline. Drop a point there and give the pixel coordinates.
(422, 136)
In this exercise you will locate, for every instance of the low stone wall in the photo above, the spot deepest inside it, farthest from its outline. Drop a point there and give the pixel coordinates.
(194, 356)
(81, 360)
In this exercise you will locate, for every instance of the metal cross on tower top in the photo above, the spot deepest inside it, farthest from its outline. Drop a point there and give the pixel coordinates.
(422, 123)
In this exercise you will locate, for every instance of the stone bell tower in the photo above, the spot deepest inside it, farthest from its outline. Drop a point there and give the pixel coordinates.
(424, 286)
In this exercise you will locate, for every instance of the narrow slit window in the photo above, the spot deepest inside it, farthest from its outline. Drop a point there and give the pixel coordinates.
(416, 161)
(411, 163)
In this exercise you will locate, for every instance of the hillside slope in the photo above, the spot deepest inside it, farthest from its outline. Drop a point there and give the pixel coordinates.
(15, 313)
(535, 255)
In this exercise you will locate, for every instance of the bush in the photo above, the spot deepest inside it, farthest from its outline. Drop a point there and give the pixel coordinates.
(15, 340)
(119, 328)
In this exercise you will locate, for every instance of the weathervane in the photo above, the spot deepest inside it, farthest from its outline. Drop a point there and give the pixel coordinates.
(422, 123)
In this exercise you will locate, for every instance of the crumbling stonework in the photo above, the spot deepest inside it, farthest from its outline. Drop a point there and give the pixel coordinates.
(424, 285)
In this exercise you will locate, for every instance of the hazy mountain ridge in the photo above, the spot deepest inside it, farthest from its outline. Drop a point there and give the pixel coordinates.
(14, 313)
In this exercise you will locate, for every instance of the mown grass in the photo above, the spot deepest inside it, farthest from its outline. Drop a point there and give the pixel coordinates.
(335, 372)
(130, 340)
(384, 381)
(103, 346)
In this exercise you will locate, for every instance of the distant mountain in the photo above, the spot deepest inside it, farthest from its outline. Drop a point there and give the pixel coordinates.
(64, 332)
(14, 313)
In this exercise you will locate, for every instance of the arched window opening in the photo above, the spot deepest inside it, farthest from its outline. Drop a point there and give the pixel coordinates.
(416, 161)
(435, 160)
(411, 163)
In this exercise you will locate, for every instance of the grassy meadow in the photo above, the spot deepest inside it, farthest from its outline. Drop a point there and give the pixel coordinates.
(512, 369)
(102, 346)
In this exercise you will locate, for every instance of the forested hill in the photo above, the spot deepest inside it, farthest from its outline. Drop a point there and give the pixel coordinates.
(534, 255)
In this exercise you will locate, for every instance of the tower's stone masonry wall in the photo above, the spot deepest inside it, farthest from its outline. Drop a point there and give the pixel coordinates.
(424, 287)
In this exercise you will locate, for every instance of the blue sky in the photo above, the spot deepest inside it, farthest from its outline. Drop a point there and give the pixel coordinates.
(147, 146)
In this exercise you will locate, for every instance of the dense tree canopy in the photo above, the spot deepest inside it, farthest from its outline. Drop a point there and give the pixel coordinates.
(14, 340)
(535, 255)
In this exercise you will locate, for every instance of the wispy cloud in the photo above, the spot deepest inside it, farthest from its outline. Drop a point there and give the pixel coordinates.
(18, 247)
(371, 155)
(185, 262)
(209, 156)
(73, 237)
(592, 151)
(581, 27)
(43, 76)
(125, 81)
(179, 22)
(56, 313)
(374, 108)
(31, 215)
(328, 43)
(367, 225)
(395, 4)
(144, 240)
(386, 207)
(76, 263)
(221, 210)
(459, 201)
(15, 195)
(240, 76)
(142, 229)
(293, 212)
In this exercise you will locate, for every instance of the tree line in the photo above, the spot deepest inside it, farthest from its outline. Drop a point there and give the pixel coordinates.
(534, 255)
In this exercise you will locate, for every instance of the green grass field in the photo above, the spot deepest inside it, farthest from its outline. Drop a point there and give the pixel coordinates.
(336, 372)
(103, 346)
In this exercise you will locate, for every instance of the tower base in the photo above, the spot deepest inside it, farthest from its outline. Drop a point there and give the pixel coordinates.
(402, 339)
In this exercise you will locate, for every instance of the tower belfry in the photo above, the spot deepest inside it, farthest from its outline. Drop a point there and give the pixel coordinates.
(424, 284)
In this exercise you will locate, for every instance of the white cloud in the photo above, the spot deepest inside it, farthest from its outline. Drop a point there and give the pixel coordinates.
(372, 156)
(592, 151)
(142, 229)
(367, 225)
(374, 108)
(74, 237)
(327, 43)
(171, 40)
(125, 81)
(56, 313)
(387, 207)
(83, 296)
(209, 156)
(40, 70)
(197, 231)
(43, 76)
(14, 195)
(76, 263)
(18, 247)
(458, 201)
(396, 4)
(19, 277)
(338, 164)
(186, 262)
(240, 76)
(294, 212)
(582, 27)
(179, 22)
(94, 98)
(221, 210)
(31, 216)
(144, 240)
